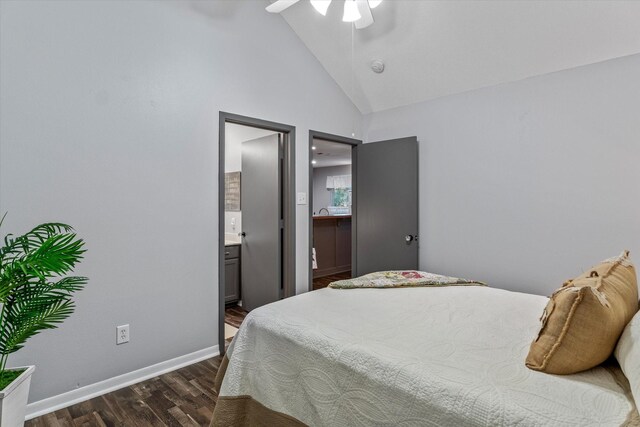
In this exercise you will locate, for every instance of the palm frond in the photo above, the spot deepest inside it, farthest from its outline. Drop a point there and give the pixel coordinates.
(56, 255)
(33, 294)
(31, 318)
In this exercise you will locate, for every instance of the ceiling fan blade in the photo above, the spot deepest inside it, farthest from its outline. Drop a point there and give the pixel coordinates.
(365, 14)
(280, 5)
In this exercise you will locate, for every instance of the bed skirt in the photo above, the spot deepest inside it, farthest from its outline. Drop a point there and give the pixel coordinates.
(245, 411)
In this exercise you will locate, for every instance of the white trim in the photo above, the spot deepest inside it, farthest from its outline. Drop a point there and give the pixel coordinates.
(90, 391)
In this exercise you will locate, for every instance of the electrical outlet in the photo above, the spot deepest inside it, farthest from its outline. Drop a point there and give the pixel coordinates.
(122, 334)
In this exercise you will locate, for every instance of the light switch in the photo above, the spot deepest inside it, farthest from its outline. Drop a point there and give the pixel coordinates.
(302, 198)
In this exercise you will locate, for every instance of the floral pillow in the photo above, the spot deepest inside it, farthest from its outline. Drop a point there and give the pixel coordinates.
(402, 278)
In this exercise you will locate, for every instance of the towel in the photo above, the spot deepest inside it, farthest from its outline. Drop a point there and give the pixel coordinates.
(314, 263)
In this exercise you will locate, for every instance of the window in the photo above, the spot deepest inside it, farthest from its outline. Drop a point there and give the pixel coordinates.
(341, 197)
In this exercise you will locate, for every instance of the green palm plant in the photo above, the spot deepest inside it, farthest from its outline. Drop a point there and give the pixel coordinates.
(34, 295)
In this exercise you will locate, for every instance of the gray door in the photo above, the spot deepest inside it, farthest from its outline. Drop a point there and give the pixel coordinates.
(260, 202)
(386, 206)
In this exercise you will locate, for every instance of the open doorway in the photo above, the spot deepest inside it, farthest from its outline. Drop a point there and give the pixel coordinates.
(256, 222)
(331, 196)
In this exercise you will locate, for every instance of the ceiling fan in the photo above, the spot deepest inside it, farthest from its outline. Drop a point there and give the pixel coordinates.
(356, 11)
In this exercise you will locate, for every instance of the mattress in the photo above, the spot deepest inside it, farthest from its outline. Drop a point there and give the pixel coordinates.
(412, 357)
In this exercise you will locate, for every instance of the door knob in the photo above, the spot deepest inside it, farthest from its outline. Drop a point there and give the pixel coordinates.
(410, 238)
(242, 234)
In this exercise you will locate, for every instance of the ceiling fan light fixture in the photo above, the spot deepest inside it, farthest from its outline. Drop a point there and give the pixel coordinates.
(321, 6)
(351, 13)
(357, 12)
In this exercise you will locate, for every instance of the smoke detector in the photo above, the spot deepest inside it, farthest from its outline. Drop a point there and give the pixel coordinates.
(377, 66)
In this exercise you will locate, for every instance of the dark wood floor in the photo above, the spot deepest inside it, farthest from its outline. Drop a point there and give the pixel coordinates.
(234, 315)
(323, 282)
(180, 398)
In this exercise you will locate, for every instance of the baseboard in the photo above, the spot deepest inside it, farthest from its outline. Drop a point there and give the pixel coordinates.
(90, 391)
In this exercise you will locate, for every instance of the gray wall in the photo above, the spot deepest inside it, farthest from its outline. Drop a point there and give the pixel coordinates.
(110, 123)
(526, 184)
(322, 196)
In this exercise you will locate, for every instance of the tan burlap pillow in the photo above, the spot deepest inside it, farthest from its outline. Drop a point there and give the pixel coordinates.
(584, 319)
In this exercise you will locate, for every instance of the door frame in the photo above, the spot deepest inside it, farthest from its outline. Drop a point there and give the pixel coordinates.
(288, 200)
(313, 134)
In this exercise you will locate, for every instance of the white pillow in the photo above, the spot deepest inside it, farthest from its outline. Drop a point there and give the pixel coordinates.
(628, 354)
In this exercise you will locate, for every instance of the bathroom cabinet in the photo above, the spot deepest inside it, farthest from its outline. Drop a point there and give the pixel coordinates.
(231, 274)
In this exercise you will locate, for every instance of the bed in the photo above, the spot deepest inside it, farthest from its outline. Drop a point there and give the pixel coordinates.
(450, 356)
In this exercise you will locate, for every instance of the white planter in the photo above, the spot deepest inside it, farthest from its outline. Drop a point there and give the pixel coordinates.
(13, 399)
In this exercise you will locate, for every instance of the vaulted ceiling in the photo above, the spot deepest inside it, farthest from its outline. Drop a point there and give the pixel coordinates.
(434, 48)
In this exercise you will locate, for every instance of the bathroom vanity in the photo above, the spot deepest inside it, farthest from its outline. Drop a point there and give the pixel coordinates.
(231, 272)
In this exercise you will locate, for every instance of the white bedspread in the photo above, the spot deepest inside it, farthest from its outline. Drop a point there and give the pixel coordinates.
(411, 357)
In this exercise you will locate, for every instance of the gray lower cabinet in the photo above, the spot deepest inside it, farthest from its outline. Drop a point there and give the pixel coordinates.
(232, 274)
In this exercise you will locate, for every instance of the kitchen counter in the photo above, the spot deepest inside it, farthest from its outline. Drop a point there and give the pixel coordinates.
(321, 217)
